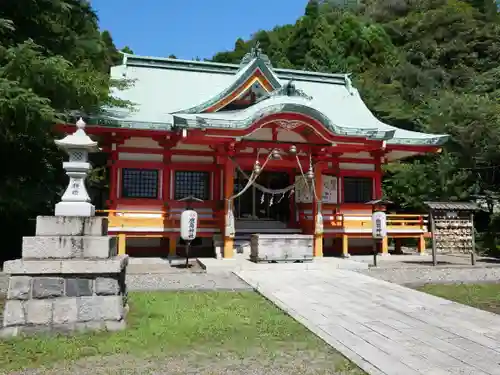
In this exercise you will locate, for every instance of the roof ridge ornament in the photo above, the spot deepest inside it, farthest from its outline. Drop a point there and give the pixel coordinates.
(288, 89)
(348, 83)
(255, 53)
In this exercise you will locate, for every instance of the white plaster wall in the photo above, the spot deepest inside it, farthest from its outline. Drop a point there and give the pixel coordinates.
(141, 142)
(247, 150)
(396, 155)
(263, 134)
(188, 146)
(357, 155)
(357, 167)
(139, 157)
(192, 159)
(289, 136)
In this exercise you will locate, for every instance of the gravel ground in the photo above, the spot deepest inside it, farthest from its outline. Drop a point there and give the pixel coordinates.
(289, 363)
(186, 281)
(420, 275)
(396, 273)
(173, 281)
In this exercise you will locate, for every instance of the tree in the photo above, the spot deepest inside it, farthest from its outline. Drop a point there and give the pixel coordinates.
(127, 50)
(53, 60)
(312, 9)
(434, 63)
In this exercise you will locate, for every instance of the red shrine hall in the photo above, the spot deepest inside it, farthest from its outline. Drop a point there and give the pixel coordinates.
(266, 150)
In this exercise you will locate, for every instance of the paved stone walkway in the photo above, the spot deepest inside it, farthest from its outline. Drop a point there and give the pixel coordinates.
(383, 327)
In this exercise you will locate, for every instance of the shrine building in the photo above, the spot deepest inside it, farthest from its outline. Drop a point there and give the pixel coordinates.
(266, 150)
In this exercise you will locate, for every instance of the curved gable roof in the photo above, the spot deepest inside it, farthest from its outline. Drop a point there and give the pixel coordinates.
(166, 89)
(350, 117)
(255, 67)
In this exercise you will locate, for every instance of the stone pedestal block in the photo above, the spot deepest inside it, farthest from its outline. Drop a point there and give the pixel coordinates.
(281, 247)
(67, 247)
(69, 279)
(80, 209)
(71, 226)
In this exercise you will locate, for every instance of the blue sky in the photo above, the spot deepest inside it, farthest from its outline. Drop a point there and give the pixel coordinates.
(188, 29)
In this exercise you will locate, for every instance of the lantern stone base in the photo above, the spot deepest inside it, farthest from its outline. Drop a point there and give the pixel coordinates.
(69, 279)
(84, 209)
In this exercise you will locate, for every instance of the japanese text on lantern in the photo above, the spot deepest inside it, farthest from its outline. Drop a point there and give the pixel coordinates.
(76, 187)
(189, 222)
(379, 225)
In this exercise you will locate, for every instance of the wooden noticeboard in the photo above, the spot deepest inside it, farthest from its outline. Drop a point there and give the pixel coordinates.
(452, 227)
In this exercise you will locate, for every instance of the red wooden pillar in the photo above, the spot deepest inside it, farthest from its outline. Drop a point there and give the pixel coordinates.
(113, 178)
(377, 181)
(167, 196)
(217, 180)
(166, 174)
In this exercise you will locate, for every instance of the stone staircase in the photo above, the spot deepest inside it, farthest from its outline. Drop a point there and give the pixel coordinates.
(244, 231)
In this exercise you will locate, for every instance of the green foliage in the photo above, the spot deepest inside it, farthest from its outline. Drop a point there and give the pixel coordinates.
(423, 65)
(53, 60)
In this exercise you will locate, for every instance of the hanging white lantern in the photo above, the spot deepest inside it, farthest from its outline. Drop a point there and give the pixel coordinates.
(276, 154)
(293, 149)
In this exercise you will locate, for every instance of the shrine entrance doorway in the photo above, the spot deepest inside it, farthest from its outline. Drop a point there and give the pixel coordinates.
(256, 205)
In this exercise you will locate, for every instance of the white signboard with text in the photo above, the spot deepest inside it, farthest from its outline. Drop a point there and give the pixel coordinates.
(303, 194)
(189, 223)
(379, 225)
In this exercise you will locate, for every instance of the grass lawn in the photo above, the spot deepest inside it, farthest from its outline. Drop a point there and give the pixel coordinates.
(189, 331)
(483, 296)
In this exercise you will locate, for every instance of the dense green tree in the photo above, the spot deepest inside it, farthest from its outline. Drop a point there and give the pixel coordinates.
(425, 65)
(53, 60)
(434, 63)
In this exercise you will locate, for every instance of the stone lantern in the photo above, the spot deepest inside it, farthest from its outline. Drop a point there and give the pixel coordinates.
(75, 200)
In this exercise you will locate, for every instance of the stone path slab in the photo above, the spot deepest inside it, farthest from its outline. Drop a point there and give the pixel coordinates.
(383, 327)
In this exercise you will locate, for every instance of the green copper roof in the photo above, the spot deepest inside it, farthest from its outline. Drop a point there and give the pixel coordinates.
(170, 92)
(286, 104)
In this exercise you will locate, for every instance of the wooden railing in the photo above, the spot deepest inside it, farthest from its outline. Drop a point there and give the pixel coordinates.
(362, 223)
(153, 221)
(395, 222)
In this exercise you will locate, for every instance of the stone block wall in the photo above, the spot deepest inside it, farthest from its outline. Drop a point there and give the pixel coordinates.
(66, 282)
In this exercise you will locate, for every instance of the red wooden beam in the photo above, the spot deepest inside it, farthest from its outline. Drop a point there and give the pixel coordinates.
(414, 148)
(139, 202)
(139, 164)
(193, 166)
(160, 151)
